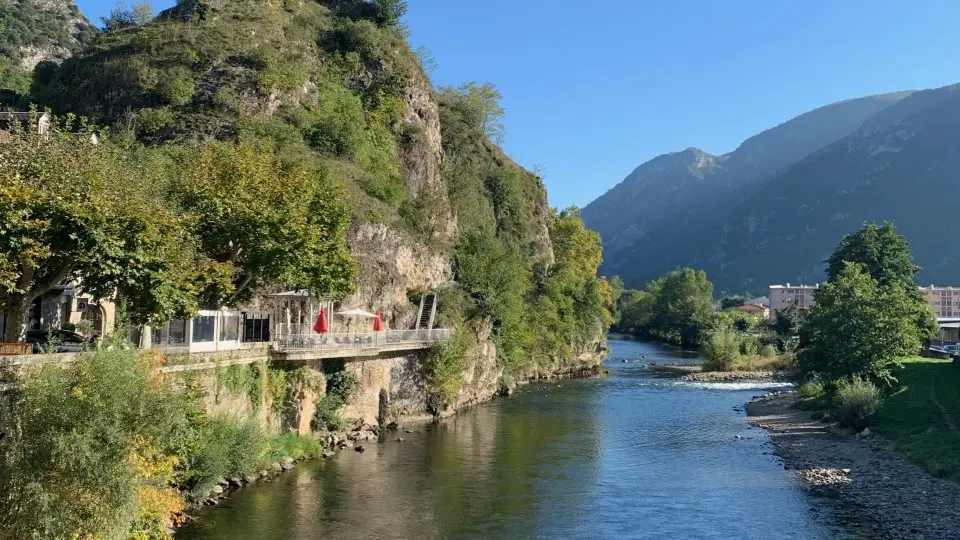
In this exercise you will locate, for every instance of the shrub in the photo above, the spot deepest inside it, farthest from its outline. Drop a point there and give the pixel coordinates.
(445, 371)
(340, 386)
(748, 346)
(856, 401)
(768, 351)
(327, 416)
(722, 349)
(225, 448)
(294, 446)
(84, 450)
(812, 389)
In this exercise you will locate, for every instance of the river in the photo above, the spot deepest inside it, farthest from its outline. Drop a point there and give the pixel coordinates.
(627, 456)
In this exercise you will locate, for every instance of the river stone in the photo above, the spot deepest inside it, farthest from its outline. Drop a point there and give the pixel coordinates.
(393, 426)
(263, 473)
(288, 460)
(399, 439)
(223, 482)
(286, 466)
(277, 467)
(249, 478)
(217, 490)
(329, 454)
(236, 481)
(359, 448)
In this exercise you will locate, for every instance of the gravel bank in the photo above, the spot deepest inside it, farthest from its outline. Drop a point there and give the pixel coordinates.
(878, 494)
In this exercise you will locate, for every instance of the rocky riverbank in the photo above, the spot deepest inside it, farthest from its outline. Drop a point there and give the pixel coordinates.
(872, 490)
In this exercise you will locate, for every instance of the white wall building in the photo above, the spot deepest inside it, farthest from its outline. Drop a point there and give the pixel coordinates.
(783, 296)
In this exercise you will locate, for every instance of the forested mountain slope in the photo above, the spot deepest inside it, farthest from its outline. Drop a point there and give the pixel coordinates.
(670, 201)
(901, 166)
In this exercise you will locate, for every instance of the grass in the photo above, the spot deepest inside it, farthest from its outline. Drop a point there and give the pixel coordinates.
(911, 419)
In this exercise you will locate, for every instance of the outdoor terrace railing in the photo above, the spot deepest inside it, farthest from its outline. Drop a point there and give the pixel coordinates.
(366, 340)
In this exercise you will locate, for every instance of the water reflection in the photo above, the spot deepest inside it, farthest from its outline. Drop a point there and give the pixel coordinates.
(630, 456)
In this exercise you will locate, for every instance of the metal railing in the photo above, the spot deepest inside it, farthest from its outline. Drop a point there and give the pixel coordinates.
(367, 340)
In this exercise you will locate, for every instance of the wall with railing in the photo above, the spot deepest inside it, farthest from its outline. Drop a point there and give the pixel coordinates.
(310, 341)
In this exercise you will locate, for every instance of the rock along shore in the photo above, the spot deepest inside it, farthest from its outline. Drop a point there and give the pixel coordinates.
(872, 490)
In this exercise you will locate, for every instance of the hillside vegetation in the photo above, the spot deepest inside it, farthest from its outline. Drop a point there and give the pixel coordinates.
(32, 31)
(332, 88)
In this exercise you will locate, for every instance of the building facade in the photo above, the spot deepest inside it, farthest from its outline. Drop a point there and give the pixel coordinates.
(783, 296)
(945, 301)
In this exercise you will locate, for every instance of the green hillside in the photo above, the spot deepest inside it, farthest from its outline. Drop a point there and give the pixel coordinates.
(333, 86)
(32, 31)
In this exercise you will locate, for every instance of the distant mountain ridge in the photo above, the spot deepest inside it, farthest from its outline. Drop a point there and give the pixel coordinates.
(759, 215)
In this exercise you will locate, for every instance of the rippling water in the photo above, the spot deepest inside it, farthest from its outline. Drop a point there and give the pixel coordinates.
(629, 456)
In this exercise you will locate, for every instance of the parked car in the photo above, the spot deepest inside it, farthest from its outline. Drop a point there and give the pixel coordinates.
(65, 340)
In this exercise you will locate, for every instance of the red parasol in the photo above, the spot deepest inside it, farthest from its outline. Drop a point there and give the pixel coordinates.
(377, 322)
(320, 326)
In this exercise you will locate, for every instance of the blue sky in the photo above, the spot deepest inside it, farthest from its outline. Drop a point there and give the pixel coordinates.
(593, 89)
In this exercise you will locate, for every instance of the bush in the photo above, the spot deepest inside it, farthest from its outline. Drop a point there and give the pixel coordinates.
(856, 401)
(812, 389)
(722, 349)
(340, 386)
(294, 446)
(327, 416)
(445, 371)
(226, 448)
(748, 346)
(768, 351)
(84, 458)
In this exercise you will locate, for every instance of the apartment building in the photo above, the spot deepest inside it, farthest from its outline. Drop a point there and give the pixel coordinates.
(783, 296)
(945, 301)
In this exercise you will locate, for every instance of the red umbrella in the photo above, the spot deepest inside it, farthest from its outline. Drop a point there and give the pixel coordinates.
(377, 322)
(320, 326)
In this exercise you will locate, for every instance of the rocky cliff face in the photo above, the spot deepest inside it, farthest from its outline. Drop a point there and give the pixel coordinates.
(32, 31)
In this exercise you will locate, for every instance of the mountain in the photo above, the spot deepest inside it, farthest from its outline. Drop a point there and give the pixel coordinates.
(900, 165)
(32, 31)
(660, 215)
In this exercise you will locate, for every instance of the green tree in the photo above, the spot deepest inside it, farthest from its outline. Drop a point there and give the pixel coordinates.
(732, 301)
(880, 250)
(859, 328)
(389, 12)
(789, 321)
(683, 310)
(478, 105)
(495, 274)
(267, 222)
(72, 210)
(884, 255)
(123, 16)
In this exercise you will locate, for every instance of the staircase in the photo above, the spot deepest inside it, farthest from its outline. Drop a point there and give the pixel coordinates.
(428, 310)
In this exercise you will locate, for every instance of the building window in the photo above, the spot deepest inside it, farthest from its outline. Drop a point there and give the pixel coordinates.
(203, 328)
(256, 328)
(229, 327)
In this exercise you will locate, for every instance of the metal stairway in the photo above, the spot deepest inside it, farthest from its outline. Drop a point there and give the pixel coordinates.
(428, 310)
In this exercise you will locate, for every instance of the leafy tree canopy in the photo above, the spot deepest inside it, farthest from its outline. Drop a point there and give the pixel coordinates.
(880, 250)
(73, 210)
(859, 328)
(266, 222)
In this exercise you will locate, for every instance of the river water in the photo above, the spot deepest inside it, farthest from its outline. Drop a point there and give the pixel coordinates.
(628, 456)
